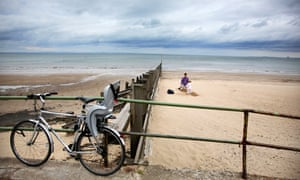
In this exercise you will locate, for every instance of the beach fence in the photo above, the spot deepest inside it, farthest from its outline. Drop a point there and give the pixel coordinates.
(142, 90)
(144, 87)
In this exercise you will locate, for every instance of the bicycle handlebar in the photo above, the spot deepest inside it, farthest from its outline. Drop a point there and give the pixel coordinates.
(39, 96)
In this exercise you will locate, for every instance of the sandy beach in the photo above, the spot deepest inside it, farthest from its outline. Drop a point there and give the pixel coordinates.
(271, 93)
(274, 93)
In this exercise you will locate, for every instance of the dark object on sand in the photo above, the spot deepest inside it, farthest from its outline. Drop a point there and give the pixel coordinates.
(170, 91)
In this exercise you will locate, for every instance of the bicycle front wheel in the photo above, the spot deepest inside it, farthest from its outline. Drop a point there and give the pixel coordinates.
(104, 157)
(30, 143)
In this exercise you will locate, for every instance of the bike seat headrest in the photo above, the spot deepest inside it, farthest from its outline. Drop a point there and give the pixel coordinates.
(110, 94)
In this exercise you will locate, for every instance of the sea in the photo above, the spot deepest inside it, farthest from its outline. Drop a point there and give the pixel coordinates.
(132, 64)
(101, 64)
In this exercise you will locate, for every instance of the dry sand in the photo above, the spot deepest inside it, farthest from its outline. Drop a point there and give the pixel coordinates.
(262, 92)
(271, 93)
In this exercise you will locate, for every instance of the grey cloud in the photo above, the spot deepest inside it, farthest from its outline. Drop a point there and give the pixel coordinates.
(295, 22)
(260, 24)
(148, 23)
(229, 28)
(92, 22)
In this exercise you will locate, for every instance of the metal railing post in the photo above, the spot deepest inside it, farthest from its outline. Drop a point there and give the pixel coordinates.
(244, 142)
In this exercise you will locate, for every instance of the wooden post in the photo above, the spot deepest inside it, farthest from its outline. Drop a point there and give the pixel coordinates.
(105, 148)
(137, 117)
(127, 85)
(244, 142)
(141, 89)
(132, 118)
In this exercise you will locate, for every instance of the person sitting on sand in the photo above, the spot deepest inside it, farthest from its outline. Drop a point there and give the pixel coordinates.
(184, 81)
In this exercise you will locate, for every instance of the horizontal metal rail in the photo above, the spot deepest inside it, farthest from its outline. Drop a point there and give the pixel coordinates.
(9, 128)
(160, 104)
(168, 136)
(129, 101)
(209, 140)
(47, 97)
(251, 143)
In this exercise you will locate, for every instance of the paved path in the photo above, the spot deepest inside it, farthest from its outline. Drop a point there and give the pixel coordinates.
(11, 168)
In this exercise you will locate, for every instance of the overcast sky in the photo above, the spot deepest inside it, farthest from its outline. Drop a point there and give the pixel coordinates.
(223, 27)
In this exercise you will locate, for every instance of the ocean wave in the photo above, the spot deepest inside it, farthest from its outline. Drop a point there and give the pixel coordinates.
(4, 88)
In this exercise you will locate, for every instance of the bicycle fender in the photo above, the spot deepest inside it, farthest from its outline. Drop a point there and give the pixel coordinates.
(117, 133)
(47, 131)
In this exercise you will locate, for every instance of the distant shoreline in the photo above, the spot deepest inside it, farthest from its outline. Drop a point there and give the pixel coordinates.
(127, 63)
(14, 81)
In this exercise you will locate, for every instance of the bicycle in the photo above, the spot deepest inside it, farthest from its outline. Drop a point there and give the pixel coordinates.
(98, 147)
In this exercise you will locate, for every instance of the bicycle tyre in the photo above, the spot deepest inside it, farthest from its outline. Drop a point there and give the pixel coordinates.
(95, 161)
(35, 153)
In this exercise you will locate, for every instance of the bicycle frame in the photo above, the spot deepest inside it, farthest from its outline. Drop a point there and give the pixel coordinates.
(107, 105)
(42, 121)
(45, 125)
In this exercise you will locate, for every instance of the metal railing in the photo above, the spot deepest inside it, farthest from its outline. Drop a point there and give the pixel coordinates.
(244, 142)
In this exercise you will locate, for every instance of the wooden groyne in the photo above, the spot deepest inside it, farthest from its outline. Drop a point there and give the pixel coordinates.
(143, 87)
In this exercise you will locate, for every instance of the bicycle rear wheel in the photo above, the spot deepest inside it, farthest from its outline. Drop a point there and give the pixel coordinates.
(104, 158)
(30, 143)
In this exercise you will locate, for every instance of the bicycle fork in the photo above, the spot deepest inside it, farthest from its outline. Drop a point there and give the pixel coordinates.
(34, 135)
(38, 126)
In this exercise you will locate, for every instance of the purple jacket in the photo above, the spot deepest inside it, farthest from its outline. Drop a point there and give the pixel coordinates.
(184, 80)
